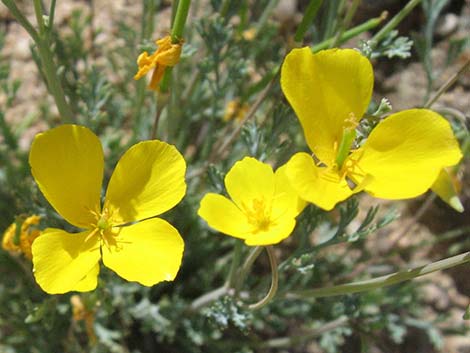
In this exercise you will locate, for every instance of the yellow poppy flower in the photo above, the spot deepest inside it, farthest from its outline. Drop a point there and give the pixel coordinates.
(263, 206)
(330, 92)
(67, 164)
(167, 54)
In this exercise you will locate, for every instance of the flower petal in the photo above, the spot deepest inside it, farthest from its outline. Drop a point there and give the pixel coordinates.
(405, 153)
(287, 202)
(326, 89)
(318, 185)
(147, 252)
(223, 215)
(65, 262)
(90, 281)
(276, 232)
(447, 187)
(67, 164)
(248, 180)
(148, 180)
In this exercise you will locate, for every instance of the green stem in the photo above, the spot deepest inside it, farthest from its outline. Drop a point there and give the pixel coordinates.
(176, 37)
(237, 252)
(180, 21)
(346, 22)
(274, 281)
(394, 22)
(382, 281)
(447, 84)
(55, 88)
(47, 61)
(252, 256)
(21, 19)
(353, 32)
(39, 13)
(307, 20)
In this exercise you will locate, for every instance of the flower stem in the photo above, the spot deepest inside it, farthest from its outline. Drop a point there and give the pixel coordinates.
(447, 84)
(23, 21)
(252, 256)
(307, 20)
(55, 88)
(346, 22)
(176, 37)
(274, 281)
(237, 251)
(42, 41)
(180, 21)
(353, 32)
(382, 281)
(394, 22)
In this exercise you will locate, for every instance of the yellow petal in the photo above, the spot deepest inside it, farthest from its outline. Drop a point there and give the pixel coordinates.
(318, 185)
(67, 164)
(148, 180)
(287, 202)
(223, 215)
(326, 89)
(405, 153)
(90, 281)
(147, 252)
(447, 187)
(248, 180)
(65, 262)
(276, 232)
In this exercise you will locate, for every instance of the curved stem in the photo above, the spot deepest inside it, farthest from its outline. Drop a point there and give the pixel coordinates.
(274, 281)
(237, 251)
(252, 256)
(382, 281)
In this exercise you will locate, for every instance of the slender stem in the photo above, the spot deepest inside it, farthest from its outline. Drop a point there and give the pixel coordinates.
(55, 88)
(208, 298)
(353, 32)
(394, 21)
(237, 251)
(47, 61)
(447, 84)
(274, 281)
(39, 13)
(252, 256)
(52, 14)
(347, 21)
(24, 22)
(180, 21)
(382, 281)
(307, 20)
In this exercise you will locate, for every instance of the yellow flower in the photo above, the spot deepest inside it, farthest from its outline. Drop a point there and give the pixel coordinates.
(167, 54)
(234, 109)
(27, 235)
(67, 164)
(401, 158)
(263, 206)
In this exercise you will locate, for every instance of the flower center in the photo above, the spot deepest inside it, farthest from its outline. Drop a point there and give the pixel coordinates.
(104, 228)
(259, 215)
